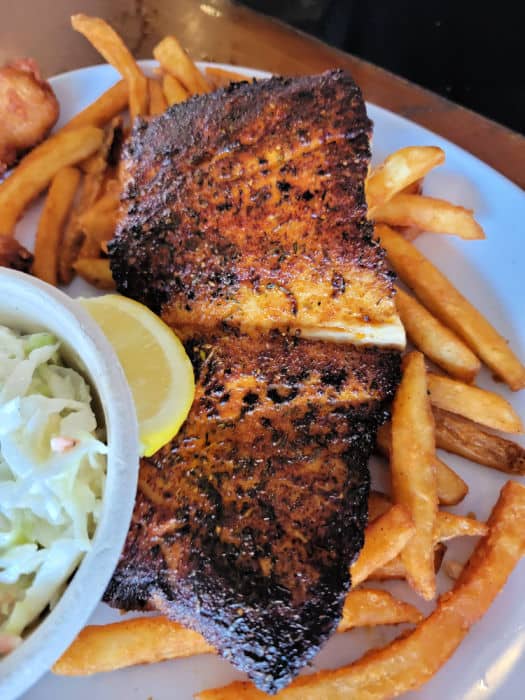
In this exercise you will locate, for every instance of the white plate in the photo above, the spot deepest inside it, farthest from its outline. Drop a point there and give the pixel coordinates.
(490, 273)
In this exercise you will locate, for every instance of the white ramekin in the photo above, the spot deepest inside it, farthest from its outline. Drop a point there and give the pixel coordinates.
(29, 304)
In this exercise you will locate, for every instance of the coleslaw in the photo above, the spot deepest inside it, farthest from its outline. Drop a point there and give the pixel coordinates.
(52, 473)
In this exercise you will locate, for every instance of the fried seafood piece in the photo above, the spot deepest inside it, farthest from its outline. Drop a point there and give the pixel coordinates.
(28, 109)
(246, 208)
(246, 524)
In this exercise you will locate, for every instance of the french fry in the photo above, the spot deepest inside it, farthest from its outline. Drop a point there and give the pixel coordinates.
(96, 271)
(96, 168)
(220, 77)
(451, 307)
(109, 44)
(384, 540)
(471, 402)
(369, 607)
(447, 525)
(109, 105)
(100, 160)
(174, 60)
(173, 91)
(96, 220)
(52, 221)
(435, 340)
(430, 215)
(69, 249)
(399, 171)
(414, 483)
(34, 174)
(451, 487)
(157, 101)
(411, 660)
(98, 227)
(74, 235)
(395, 570)
(141, 640)
(463, 437)
(146, 640)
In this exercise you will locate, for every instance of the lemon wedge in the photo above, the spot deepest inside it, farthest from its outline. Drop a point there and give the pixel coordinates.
(155, 364)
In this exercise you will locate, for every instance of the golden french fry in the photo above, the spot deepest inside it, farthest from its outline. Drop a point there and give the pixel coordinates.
(369, 608)
(414, 483)
(74, 235)
(109, 44)
(109, 105)
(435, 340)
(467, 439)
(101, 159)
(477, 404)
(430, 215)
(384, 540)
(220, 77)
(174, 60)
(451, 307)
(96, 271)
(174, 92)
(96, 220)
(52, 221)
(451, 487)
(146, 640)
(69, 250)
(34, 174)
(98, 227)
(157, 101)
(96, 168)
(399, 171)
(395, 570)
(411, 660)
(141, 640)
(447, 524)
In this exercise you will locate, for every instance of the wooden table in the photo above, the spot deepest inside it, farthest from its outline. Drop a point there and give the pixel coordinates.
(222, 31)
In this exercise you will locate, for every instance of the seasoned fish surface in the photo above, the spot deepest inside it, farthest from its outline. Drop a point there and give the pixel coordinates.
(246, 524)
(251, 213)
(244, 225)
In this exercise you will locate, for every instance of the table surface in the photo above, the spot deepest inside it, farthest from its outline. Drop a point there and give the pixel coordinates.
(223, 31)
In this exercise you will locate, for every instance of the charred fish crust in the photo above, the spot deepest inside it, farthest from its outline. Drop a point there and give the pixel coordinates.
(246, 524)
(244, 224)
(246, 207)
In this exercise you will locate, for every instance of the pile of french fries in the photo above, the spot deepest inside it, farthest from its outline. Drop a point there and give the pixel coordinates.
(436, 406)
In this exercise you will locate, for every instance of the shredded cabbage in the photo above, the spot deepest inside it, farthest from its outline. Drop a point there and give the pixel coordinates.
(52, 473)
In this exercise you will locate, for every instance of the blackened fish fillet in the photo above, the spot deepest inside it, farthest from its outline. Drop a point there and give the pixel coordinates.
(246, 524)
(244, 226)
(246, 208)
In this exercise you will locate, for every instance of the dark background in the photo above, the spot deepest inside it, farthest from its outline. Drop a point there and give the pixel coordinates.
(472, 53)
